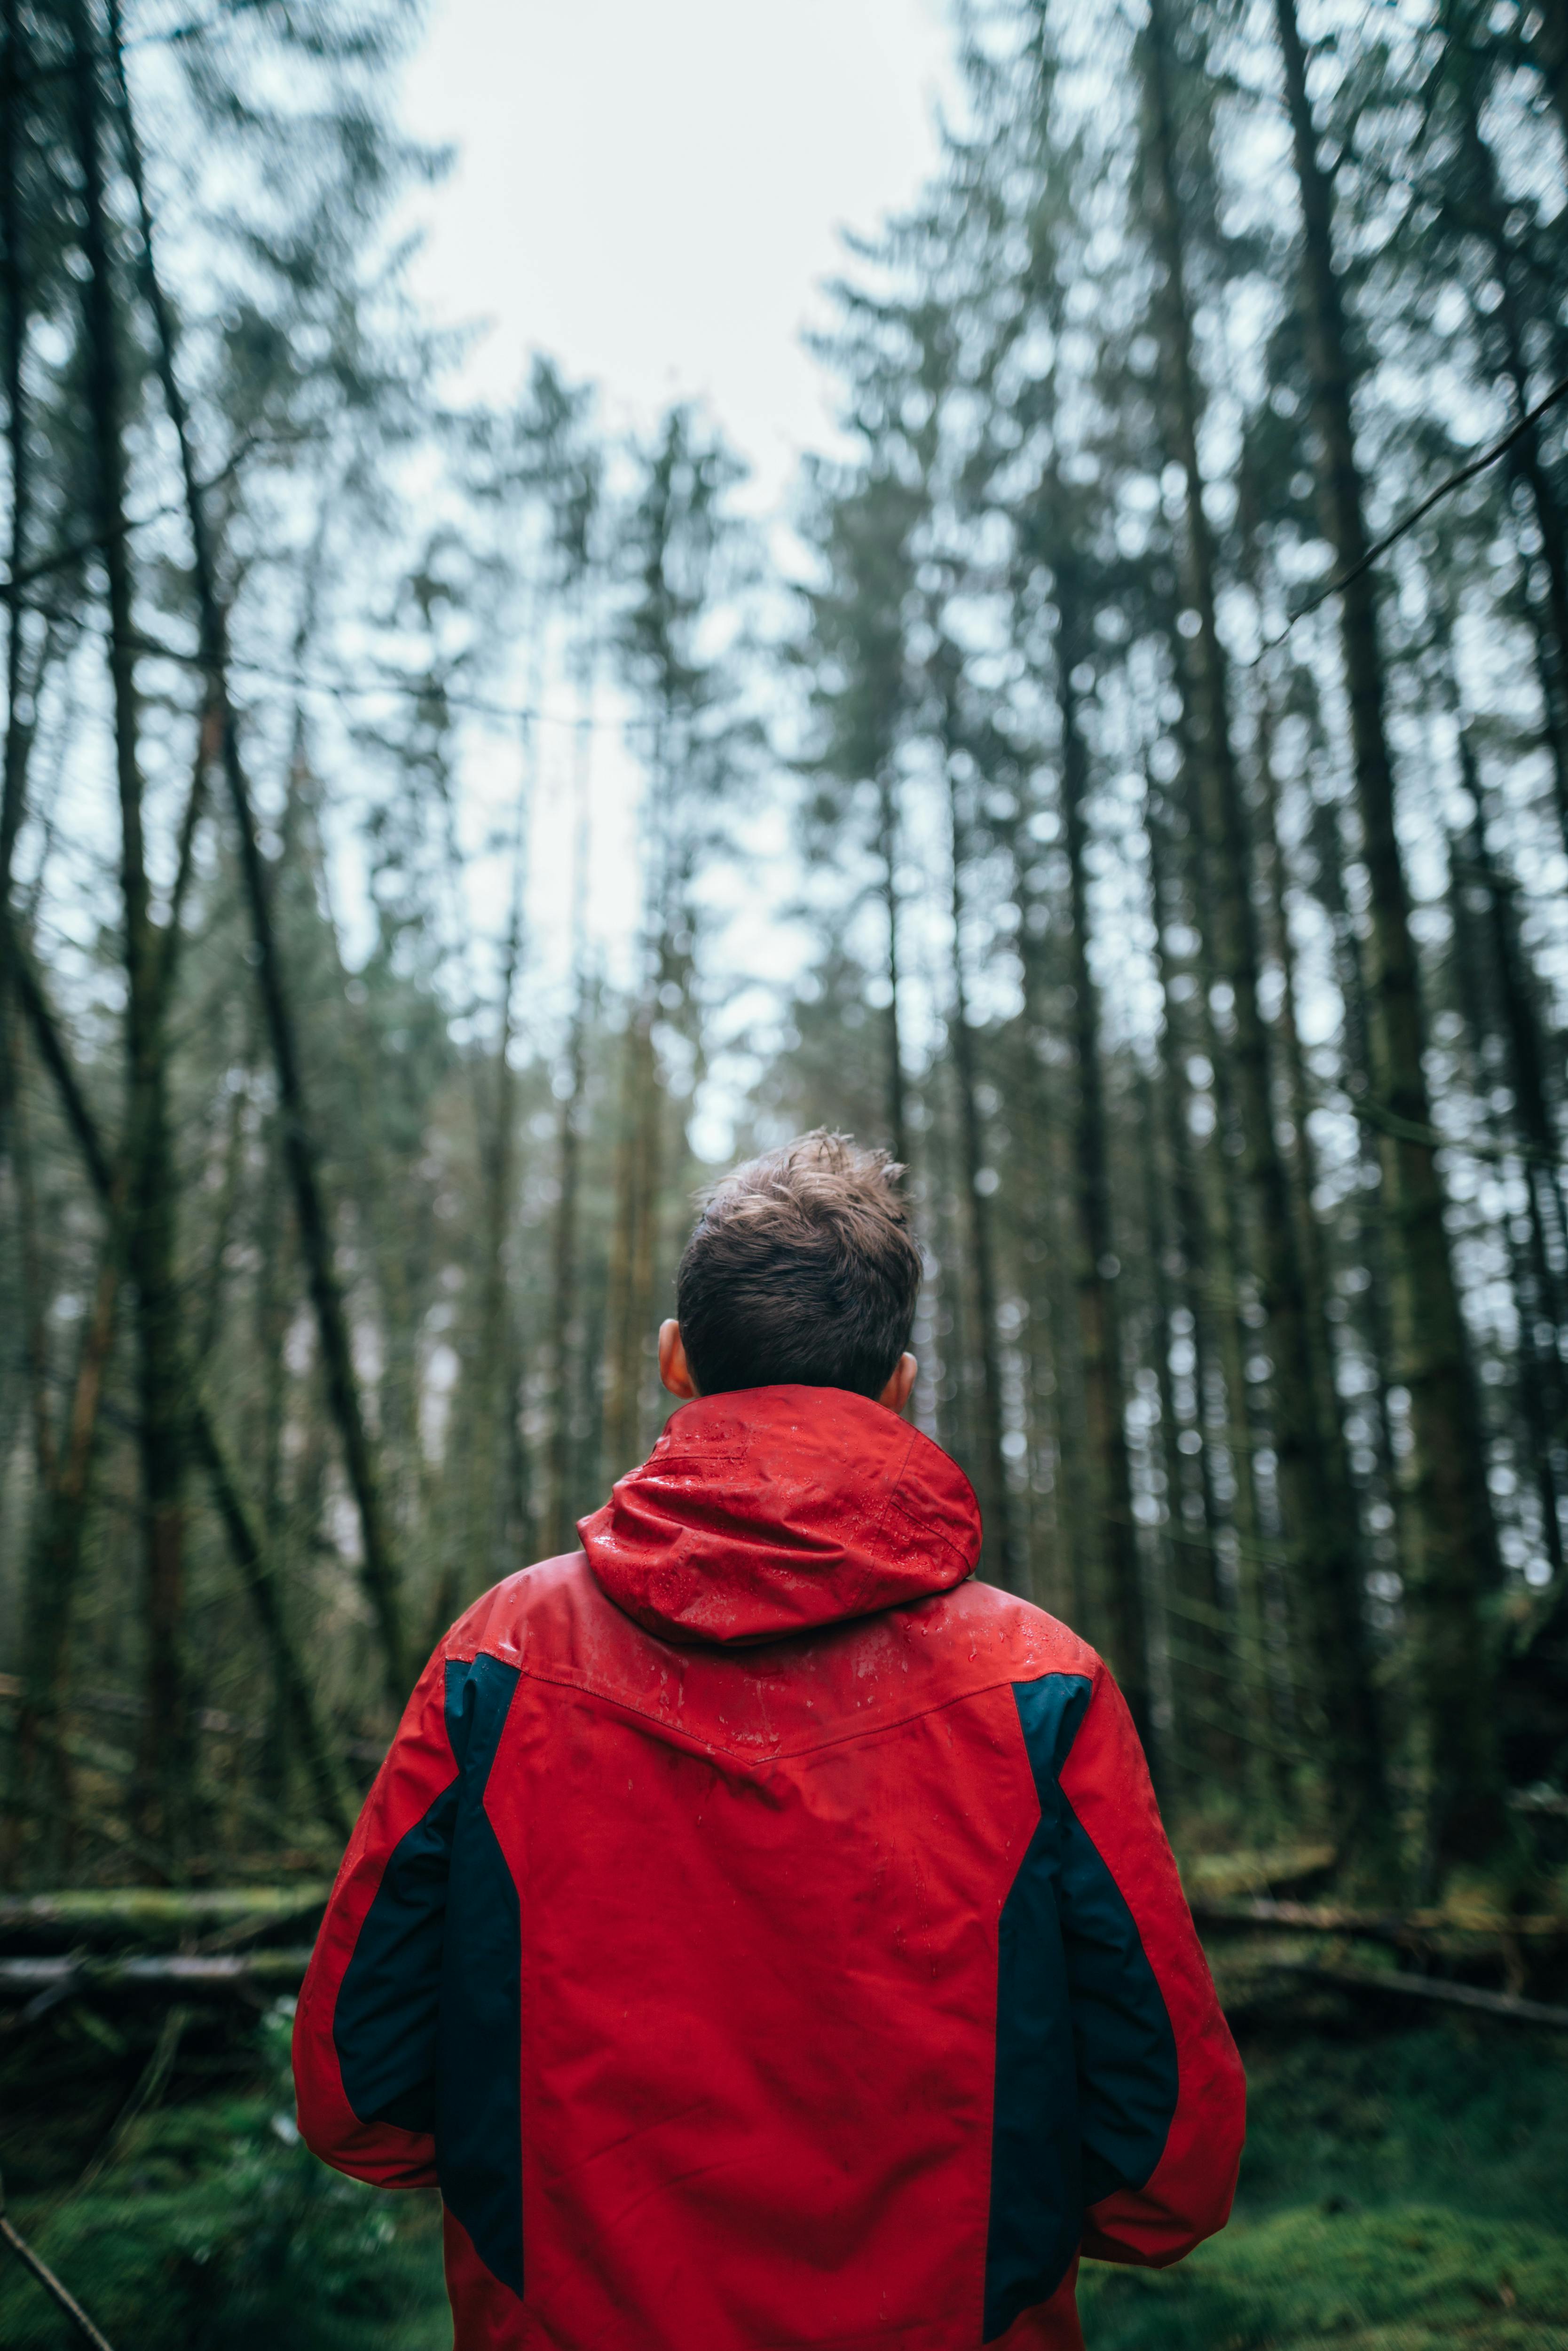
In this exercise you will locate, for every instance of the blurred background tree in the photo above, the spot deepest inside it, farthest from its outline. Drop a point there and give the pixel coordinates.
(1196, 938)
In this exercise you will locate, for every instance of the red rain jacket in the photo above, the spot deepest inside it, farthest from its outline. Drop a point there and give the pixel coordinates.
(763, 1933)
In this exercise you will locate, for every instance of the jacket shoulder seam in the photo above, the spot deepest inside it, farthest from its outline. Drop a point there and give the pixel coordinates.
(780, 1753)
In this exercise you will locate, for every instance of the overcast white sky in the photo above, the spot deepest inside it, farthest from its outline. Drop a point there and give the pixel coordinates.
(654, 193)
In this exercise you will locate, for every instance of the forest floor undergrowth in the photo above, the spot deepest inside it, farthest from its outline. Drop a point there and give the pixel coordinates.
(1402, 2189)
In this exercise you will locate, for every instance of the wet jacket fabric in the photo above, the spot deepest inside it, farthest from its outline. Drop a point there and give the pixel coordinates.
(763, 1933)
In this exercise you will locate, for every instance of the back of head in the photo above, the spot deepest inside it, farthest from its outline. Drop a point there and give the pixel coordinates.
(801, 1269)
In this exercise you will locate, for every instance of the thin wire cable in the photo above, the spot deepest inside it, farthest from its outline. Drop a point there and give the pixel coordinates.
(51, 2284)
(1401, 529)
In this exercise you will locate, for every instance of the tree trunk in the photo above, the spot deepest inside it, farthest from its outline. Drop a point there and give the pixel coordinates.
(1369, 1235)
(273, 1306)
(35, 1346)
(1163, 1261)
(999, 1552)
(40, 1806)
(1486, 210)
(630, 1261)
(1204, 1670)
(493, 1388)
(1219, 1214)
(887, 854)
(1543, 1406)
(1447, 1516)
(1315, 1255)
(1111, 1528)
(14, 277)
(565, 1302)
(40, 1810)
(1056, 1560)
(166, 1763)
(334, 1800)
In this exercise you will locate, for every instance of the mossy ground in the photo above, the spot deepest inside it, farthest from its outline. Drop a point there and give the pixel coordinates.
(1398, 2193)
(1401, 2191)
(216, 2229)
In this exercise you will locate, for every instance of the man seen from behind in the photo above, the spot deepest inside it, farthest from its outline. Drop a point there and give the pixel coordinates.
(761, 1930)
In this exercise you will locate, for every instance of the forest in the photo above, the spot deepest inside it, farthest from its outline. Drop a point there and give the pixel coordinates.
(1149, 730)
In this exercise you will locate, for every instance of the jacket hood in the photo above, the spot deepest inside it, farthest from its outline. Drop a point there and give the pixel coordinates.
(769, 1510)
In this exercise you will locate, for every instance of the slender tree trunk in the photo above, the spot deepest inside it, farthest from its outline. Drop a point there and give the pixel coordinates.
(996, 1501)
(495, 1400)
(1221, 1213)
(1447, 1516)
(1369, 1236)
(13, 277)
(40, 1812)
(166, 1763)
(1202, 1598)
(34, 1335)
(334, 1800)
(565, 1299)
(272, 1310)
(1114, 1529)
(1306, 1173)
(1544, 1406)
(1536, 1388)
(377, 1566)
(1052, 1558)
(957, 1428)
(1162, 1263)
(14, 66)
(1527, 1050)
(887, 832)
(639, 1156)
(215, 1282)
(630, 1260)
(1056, 1549)
(1487, 211)
(1203, 1671)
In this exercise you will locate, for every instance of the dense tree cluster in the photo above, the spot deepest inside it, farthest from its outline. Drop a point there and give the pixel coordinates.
(1196, 938)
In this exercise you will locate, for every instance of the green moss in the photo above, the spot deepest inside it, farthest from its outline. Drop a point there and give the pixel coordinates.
(1473, 2117)
(1410, 2276)
(217, 2231)
(1399, 2193)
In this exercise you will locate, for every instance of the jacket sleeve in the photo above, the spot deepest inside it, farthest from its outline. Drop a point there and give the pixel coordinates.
(365, 2028)
(1161, 2092)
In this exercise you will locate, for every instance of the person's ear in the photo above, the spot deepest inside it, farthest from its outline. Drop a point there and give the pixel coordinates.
(673, 1369)
(895, 1394)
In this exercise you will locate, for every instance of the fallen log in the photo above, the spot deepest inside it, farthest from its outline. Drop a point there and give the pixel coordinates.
(1282, 1870)
(1381, 1980)
(156, 1913)
(1374, 1925)
(43, 1983)
(183, 1971)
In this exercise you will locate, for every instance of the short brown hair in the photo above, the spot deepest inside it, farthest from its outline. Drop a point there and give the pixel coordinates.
(801, 1269)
